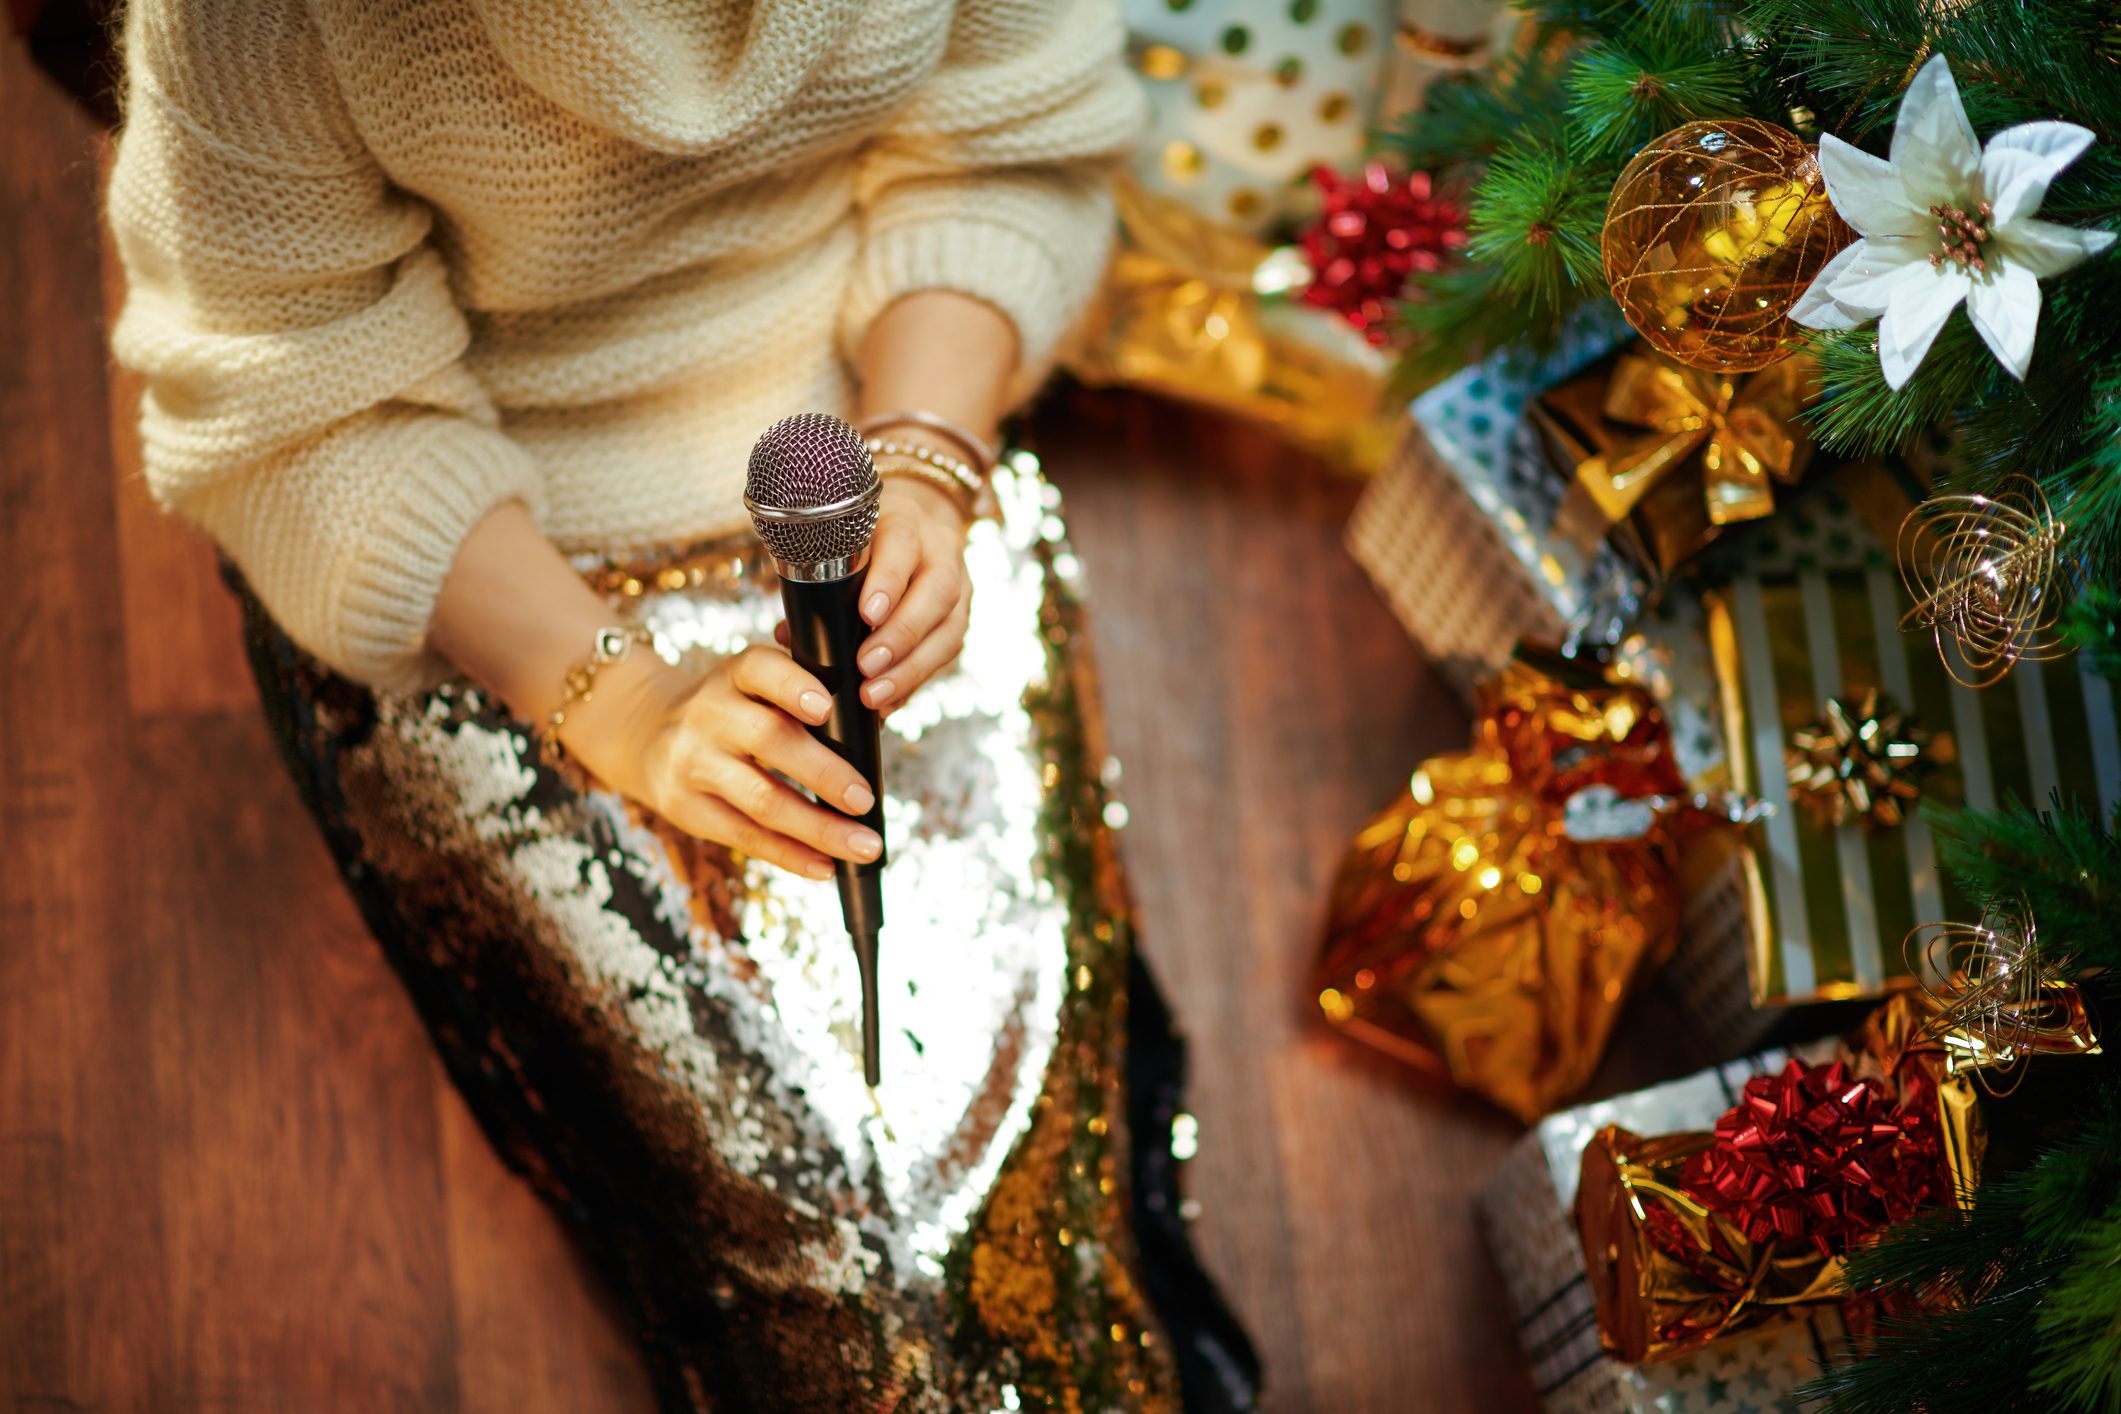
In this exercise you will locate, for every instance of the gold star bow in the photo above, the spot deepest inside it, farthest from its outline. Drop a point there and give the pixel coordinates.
(1862, 760)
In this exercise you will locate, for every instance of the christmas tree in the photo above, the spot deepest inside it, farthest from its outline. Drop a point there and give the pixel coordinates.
(2016, 1301)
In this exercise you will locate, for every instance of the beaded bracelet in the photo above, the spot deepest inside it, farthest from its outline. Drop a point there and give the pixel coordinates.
(914, 469)
(983, 456)
(964, 484)
(578, 685)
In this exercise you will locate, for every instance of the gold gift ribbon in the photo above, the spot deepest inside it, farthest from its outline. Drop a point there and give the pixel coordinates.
(1742, 429)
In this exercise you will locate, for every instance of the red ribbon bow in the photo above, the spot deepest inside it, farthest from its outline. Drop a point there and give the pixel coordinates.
(1815, 1154)
(1377, 229)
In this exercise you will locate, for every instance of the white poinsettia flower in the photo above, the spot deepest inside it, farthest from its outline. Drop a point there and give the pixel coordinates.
(1946, 220)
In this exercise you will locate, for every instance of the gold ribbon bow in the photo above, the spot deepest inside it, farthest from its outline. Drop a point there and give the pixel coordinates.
(1742, 428)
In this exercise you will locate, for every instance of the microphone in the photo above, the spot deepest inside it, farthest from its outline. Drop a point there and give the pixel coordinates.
(812, 493)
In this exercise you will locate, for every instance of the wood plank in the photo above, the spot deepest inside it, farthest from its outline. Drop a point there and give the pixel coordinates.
(83, 1309)
(304, 1217)
(567, 1348)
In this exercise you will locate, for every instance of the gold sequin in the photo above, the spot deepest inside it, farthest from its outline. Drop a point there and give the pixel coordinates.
(1182, 161)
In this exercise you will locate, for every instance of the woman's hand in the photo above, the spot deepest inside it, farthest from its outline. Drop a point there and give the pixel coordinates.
(702, 753)
(917, 597)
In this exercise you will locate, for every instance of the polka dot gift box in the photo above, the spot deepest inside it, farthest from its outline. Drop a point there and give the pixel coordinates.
(1247, 96)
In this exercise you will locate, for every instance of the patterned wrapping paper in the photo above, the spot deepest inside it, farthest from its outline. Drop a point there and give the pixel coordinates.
(1463, 532)
(1246, 96)
(1815, 613)
(1525, 1213)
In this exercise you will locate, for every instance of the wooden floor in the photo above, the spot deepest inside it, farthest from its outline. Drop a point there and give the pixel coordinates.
(233, 1178)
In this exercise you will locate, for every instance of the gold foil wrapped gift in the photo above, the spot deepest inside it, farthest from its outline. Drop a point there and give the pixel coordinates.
(1204, 312)
(1663, 456)
(1671, 1269)
(1489, 925)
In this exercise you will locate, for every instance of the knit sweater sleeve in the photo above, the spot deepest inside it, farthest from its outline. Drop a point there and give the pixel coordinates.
(994, 181)
(304, 402)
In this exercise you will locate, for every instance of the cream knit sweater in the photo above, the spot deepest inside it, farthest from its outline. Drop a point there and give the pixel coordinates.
(393, 262)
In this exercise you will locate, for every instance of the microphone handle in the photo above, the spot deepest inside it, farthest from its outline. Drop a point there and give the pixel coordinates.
(824, 629)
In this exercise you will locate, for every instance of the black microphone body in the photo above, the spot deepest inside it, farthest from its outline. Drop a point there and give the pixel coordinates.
(824, 629)
(813, 496)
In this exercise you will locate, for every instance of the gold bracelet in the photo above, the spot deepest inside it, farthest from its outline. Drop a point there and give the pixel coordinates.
(578, 685)
(914, 469)
(983, 456)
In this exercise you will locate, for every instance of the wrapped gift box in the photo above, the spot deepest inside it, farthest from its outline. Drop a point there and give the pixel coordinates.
(1813, 613)
(1525, 1214)
(1246, 97)
(1464, 534)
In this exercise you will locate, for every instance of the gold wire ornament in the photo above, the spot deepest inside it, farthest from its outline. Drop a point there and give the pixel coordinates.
(1996, 996)
(1984, 574)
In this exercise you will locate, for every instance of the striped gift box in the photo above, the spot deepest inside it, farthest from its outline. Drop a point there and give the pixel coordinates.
(1816, 614)
(1526, 1213)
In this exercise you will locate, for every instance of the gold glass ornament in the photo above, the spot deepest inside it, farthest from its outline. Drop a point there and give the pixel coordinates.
(1712, 233)
(1984, 573)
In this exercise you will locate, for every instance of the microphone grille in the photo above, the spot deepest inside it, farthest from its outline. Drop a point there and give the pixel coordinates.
(812, 459)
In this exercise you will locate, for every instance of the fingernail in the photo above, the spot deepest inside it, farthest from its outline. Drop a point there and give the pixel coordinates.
(879, 692)
(818, 869)
(875, 658)
(864, 844)
(816, 705)
(858, 798)
(873, 607)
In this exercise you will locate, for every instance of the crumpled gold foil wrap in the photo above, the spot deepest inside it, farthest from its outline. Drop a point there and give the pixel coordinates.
(1198, 311)
(1490, 924)
(1669, 1274)
(1664, 456)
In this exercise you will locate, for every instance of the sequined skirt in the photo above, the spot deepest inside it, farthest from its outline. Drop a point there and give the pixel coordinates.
(664, 1037)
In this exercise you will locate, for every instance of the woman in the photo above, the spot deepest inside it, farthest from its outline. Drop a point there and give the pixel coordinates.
(458, 319)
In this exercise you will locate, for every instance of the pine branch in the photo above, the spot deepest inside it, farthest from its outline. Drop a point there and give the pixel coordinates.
(1859, 415)
(1620, 97)
(2080, 1322)
(2093, 625)
(2005, 1258)
(2062, 862)
(1465, 119)
(1532, 233)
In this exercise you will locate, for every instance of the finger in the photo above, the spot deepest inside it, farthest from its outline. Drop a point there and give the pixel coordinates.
(894, 556)
(788, 749)
(780, 633)
(707, 818)
(778, 808)
(933, 654)
(934, 594)
(770, 675)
